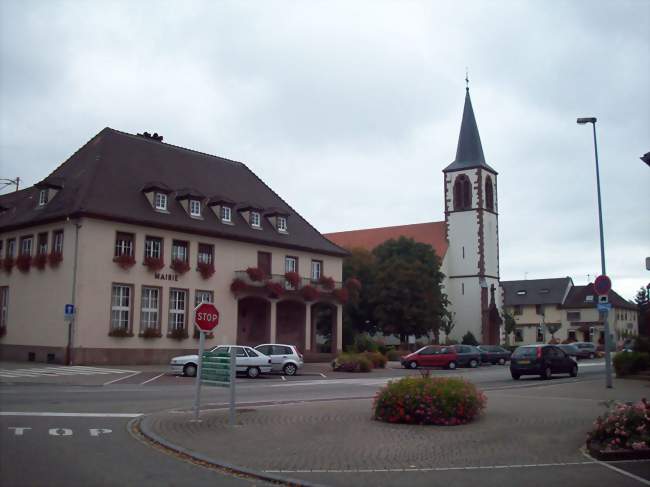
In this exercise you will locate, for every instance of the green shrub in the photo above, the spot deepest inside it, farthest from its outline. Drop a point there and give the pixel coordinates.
(469, 339)
(627, 363)
(642, 345)
(427, 400)
(395, 355)
(352, 362)
(377, 360)
(363, 343)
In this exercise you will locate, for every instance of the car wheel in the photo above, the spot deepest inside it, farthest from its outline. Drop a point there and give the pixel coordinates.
(473, 363)
(546, 374)
(253, 372)
(189, 370)
(451, 365)
(290, 369)
(502, 361)
(574, 371)
(413, 365)
(591, 355)
(515, 376)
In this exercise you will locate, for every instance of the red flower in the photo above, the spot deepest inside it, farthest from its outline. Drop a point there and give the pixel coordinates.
(255, 274)
(309, 293)
(40, 261)
(180, 266)
(24, 262)
(238, 286)
(275, 289)
(205, 269)
(293, 278)
(124, 261)
(327, 283)
(55, 258)
(154, 263)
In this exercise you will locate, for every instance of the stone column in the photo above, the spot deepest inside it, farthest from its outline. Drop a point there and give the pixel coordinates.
(308, 337)
(274, 321)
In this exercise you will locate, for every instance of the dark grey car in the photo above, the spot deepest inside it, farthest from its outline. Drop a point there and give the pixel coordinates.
(468, 356)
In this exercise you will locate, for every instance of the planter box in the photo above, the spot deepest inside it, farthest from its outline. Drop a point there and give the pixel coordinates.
(596, 451)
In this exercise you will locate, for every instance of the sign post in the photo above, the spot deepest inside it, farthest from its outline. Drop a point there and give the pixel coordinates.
(206, 318)
(602, 286)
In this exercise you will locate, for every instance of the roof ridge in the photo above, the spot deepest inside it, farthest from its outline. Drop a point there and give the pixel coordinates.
(389, 226)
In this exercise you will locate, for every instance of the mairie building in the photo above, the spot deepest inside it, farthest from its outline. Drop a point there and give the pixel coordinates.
(135, 233)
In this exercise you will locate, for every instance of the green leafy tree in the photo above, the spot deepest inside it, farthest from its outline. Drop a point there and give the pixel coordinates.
(357, 312)
(643, 306)
(509, 324)
(469, 339)
(406, 292)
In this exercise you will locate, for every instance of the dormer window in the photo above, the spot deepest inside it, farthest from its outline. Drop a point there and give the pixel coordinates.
(43, 197)
(48, 188)
(226, 214)
(589, 298)
(255, 220)
(195, 208)
(521, 292)
(282, 224)
(160, 201)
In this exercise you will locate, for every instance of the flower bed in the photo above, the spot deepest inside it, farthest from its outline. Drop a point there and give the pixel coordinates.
(621, 433)
(352, 362)
(445, 401)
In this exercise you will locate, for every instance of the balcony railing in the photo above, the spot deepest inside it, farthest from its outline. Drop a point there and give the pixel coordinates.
(279, 278)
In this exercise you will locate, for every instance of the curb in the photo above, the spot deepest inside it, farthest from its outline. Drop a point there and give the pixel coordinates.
(141, 424)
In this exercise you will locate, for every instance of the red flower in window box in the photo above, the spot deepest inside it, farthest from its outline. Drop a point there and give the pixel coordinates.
(55, 258)
(342, 295)
(24, 262)
(40, 261)
(327, 283)
(150, 333)
(255, 274)
(238, 286)
(180, 266)
(275, 289)
(124, 261)
(353, 284)
(177, 333)
(293, 278)
(309, 293)
(120, 333)
(8, 264)
(206, 269)
(154, 263)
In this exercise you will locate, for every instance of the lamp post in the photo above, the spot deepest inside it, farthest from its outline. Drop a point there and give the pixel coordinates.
(608, 358)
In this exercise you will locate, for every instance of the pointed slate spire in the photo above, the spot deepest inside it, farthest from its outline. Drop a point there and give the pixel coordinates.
(469, 153)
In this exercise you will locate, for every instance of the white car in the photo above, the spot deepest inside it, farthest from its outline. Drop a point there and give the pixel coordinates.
(248, 361)
(285, 359)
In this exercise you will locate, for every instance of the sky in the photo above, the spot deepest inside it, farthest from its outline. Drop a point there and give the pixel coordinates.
(351, 109)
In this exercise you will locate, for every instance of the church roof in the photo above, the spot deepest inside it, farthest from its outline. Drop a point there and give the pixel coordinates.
(469, 153)
(432, 233)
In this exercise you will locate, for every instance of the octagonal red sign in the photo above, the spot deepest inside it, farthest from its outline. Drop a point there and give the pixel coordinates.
(206, 316)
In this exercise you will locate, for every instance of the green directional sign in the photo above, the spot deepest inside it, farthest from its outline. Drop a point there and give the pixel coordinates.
(216, 369)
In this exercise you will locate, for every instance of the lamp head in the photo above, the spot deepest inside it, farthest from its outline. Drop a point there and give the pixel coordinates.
(585, 120)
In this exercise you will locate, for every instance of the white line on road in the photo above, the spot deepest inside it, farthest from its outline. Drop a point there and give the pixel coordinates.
(152, 379)
(323, 376)
(121, 378)
(616, 469)
(71, 415)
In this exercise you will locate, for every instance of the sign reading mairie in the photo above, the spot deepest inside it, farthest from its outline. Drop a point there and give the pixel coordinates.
(165, 277)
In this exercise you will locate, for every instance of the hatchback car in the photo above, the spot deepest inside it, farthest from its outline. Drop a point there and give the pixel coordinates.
(542, 360)
(248, 361)
(586, 349)
(431, 356)
(494, 354)
(468, 356)
(570, 349)
(286, 359)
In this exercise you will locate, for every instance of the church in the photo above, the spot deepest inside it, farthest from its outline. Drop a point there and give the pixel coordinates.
(467, 241)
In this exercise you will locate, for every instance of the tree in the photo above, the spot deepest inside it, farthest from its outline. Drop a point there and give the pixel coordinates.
(357, 312)
(406, 292)
(448, 324)
(509, 324)
(643, 306)
(469, 339)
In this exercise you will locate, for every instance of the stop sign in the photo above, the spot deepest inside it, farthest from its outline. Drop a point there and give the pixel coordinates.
(602, 285)
(206, 317)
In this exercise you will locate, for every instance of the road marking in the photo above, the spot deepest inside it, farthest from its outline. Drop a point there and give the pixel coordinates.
(120, 378)
(18, 431)
(99, 431)
(616, 469)
(71, 415)
(57, 371)
(591, 365)
(150, 380)
(283, 378)
(323, 375)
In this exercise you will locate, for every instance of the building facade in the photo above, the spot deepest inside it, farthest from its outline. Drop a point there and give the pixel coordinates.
(135, 233)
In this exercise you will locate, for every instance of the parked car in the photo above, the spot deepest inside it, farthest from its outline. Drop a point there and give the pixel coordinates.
(494, 354)
(542, 360)
(431, 356)
(586, 349)
(248, 361)
(286, 359)
(570, 349)
(468, 356)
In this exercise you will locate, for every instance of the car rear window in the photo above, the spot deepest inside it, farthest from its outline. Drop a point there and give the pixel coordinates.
(525, 352)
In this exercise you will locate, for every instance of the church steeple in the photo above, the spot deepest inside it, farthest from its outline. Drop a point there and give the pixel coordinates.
(469, 153)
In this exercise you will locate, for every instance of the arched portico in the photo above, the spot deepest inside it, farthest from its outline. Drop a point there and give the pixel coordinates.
(290, 323)
(253, 321)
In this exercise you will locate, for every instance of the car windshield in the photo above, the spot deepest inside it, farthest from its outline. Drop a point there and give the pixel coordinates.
(525, 352)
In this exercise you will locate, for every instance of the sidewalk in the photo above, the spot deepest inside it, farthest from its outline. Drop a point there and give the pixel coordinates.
(337, 443)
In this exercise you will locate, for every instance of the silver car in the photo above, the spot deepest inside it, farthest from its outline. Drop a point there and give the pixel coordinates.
(247, 360)
(286, 359)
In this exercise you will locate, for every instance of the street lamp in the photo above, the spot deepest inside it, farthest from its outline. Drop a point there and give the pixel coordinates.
(608, 358)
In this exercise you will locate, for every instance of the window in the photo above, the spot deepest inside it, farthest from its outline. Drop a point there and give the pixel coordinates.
(123, 244)
(150, 313)
(291, 264)
(539, 309)
(160, 201)
(11, 247)
(205, 254)
(573, 315)
(463, 251)
(4, 306)
(518, 309)
(42, 244)
(203, 297)
(120, 307)
(177, 309)
(153, 247)
(251, 353)
(316, 269)
(462, 288)
(226, 214)
(521, 292)
(264, 262)
(519, 335)
(589, 298)
(179, 250)
(43, 197)
(57, 242)
(255, 219)
(462, 193)
(572, 335)
(489, 194)
(195, 208)
(26, 245)
(282, 224)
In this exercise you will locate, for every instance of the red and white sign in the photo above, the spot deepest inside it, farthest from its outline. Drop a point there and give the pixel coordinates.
(602, 285)
(206, 317)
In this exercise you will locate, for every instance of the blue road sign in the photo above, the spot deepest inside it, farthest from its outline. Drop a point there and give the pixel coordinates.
(604, 306)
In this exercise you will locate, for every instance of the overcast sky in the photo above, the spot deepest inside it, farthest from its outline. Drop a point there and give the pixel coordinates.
(350, 110)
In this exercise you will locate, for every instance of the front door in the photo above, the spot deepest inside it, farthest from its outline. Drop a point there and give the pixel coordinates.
(264, 262)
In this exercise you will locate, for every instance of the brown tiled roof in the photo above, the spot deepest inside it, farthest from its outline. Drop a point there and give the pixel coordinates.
(432, 233)
(578, 294)
(105, 179)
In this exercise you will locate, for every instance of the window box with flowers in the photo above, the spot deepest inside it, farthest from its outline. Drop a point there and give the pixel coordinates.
(206, 269)
(180, 266)
(327, 283)
(293, 279)
(150, 333)
(238, 286)
(40, 261)
(309, 293)
(24, 262)
(255, 274)
(8, 264)
(275, 289)
(124, 261)
(154, 263)
(55, 258)
(120, 333)
(342, 295)
(177, 333)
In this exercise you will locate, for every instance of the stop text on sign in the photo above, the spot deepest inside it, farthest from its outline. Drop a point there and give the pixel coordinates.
(209, 317)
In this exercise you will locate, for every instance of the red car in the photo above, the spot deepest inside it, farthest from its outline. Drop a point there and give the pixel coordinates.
(431, 356)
